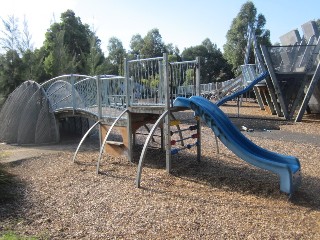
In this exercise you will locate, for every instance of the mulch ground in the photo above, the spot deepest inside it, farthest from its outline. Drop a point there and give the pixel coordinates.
(220, 197)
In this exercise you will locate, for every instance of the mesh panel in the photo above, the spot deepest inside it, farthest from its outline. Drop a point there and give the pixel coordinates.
(11, 114)
(46, 128)
(60, 95)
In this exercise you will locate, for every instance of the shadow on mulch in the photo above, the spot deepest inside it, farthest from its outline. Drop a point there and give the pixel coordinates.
(11, 194)
(231, 177)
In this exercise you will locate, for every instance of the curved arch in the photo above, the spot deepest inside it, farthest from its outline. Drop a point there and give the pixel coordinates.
(106, 137)
(144, 150)
(83, 138)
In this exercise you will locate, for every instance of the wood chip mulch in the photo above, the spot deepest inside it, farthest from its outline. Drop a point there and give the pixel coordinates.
(221, 197)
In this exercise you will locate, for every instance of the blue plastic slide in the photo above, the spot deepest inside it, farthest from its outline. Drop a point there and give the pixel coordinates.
(287, 167)
(246, 89)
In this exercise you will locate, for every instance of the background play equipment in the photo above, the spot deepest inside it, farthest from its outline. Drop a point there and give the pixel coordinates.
(287, 167)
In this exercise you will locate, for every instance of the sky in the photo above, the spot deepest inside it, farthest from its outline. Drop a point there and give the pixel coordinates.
(184, 23)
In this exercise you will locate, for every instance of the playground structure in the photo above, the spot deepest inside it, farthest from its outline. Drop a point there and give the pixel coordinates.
(284, 79)
(149, 93)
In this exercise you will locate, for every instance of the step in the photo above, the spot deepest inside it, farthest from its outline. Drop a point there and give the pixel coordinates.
(120, 144)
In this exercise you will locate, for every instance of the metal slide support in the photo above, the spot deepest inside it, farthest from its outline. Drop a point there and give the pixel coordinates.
(106, 137)
(144, 150)
(306, 99)
(275, 84)
(83, 138)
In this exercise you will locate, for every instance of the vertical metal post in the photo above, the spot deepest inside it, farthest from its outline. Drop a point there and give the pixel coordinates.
(98, 83)
(167, 108)
(128, 104)
(198, 93)
(198, 76)
(73, 94)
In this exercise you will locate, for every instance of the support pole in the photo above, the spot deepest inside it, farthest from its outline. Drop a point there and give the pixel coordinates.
(198, 93)
(167, 117)
(310, 90)
(129, 115)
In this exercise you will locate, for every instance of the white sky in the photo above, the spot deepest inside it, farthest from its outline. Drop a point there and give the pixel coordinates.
(184, 23)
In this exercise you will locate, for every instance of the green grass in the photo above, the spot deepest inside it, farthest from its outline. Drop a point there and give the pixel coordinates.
(14, 236)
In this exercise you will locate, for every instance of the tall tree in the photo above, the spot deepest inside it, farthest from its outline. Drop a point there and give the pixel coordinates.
(234, 49)
(76, 39)
(153, 44)
(10, 72)
(95, 57)
(213, 65)
(117, 53)
(136, 45)
(26, 38)
(173, 53)
(59, 61)
(11, 34)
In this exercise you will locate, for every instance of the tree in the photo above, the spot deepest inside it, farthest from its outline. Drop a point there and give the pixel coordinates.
(59, 61)
(136, 45)
(26, 38)
(10, 72)
(95, 57)
(75, 41)
(11, 33)
(153, 44)
(213, 66)
(116, 55)
(234, 49)
(173, 53)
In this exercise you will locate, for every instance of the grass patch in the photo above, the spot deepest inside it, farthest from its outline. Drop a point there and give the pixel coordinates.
(14, 236)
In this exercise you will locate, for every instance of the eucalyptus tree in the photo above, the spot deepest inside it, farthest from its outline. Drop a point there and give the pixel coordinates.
(95, 57)
(10, 62)
(10, 72)
(173, 53)
(237, 35)
(213, 65)
(136, 45)
(72, 39)
(153, 45)
(116, 55)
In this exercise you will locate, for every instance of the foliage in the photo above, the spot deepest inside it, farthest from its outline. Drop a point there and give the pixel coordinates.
(213, 66)
(237, 35)
(10, 72)
(117, 53)
(95, 57)
(153, 46)
(11, 33)
(71, 47)
(136, 45)
(69, 40)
